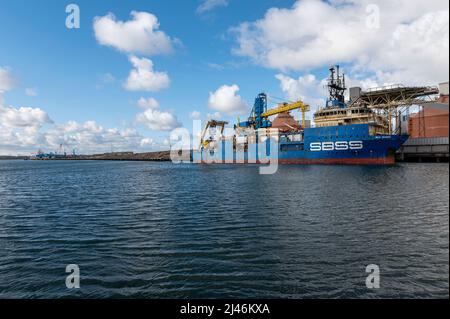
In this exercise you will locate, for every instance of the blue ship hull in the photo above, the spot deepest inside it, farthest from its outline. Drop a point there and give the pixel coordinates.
(348, 144)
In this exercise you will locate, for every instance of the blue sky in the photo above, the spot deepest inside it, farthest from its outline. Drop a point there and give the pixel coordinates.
(66, 66)
(71, 76)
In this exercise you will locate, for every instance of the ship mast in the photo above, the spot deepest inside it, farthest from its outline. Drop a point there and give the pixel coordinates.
(336, 88)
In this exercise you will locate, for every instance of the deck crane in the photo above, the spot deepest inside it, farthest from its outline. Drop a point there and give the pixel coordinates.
(286, 107)
(212, 126)
(259, 116)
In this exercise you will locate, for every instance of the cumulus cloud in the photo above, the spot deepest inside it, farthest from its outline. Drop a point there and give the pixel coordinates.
(149, 103)
(409, 44)
(417, 52)
(143, 78)
(25, 130)
(213, 116)
(141, 34)
(19, 127)
(226, 100)
(22, 117)
(311, 90)
(157, 120)
(195, 115)
(147, 142)
(208, 5)
(7, 81)
(154, 118)
(13, 141)
(299, 88)
(86, 138)
(90, 137)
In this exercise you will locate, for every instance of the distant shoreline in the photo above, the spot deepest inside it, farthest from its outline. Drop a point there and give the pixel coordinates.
(13, 157)
(160, 156)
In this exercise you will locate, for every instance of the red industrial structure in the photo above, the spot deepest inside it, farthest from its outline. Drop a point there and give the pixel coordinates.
(429, 122)
(432, 120)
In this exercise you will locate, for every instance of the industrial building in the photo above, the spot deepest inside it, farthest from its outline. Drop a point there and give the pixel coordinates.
(428, 130)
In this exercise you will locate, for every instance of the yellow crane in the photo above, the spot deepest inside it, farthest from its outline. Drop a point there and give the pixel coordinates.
(211, 124)
(286, 107)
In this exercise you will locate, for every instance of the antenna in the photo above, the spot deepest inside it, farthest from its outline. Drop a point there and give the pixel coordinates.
(336, 88)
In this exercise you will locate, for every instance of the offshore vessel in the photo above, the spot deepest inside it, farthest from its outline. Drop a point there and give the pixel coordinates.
(343, 134)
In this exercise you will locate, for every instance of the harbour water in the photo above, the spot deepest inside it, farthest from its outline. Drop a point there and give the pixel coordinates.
(159, 230)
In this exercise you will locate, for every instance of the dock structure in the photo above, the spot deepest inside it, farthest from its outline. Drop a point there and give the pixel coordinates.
(424, 149)
(428, 128)
(390, 101)
(395, 96)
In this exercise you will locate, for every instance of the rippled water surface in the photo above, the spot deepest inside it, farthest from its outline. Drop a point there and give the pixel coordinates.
(158, 230)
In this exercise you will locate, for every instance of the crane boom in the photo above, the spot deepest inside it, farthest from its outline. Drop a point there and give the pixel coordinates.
(286, 107)
(259, 116)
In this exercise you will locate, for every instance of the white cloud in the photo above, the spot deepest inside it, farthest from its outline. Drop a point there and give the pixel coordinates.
(307, 88)
(149, 103)
(208, 5)
(7, 81)
(144, 78)
(31, 91)
(300, 88)
(311, 90)
(195, 115)
(226, 100)
(19, 127)
(90, 137)
(22, 117)
(147, 142)
(157, 120)
(410, 45)
(25, 130)
(417, 52)
(138, 35)
(18, 139)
